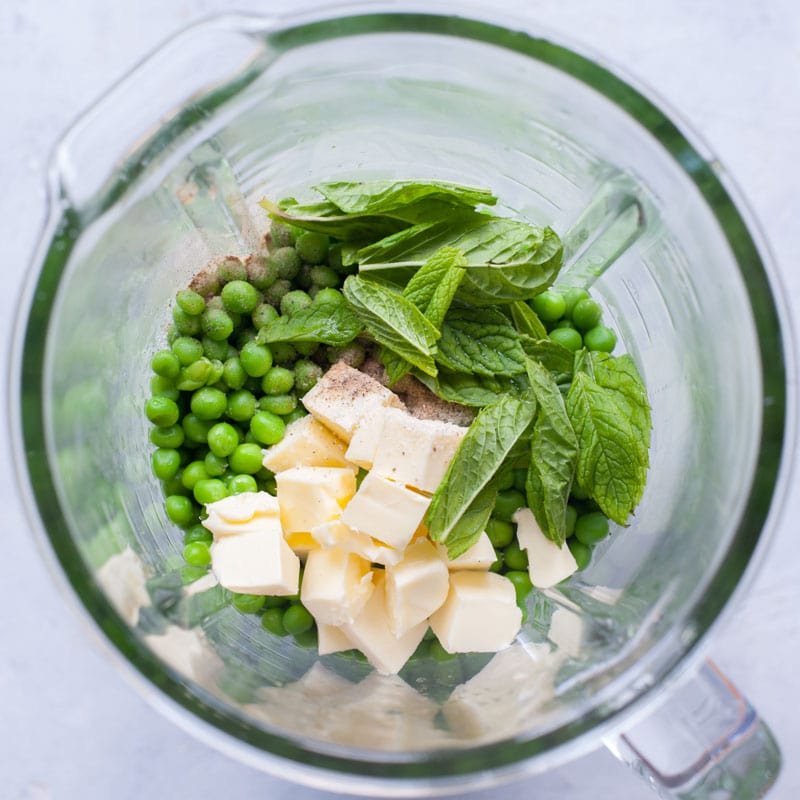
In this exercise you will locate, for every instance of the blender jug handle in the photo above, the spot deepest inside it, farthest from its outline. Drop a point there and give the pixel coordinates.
(705, 740)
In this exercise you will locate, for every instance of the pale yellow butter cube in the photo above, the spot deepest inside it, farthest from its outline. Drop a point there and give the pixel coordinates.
(386, 510)
(370, 633)
(331, 639)
(306, 443)
(364, 442)
(336, 585)
(240, 513)
(344, 395)
(548, 564)
(258, 562)
(480, 556)
(480, 614)
(311, 496)
(337, 534)
(415, 586)
(415, 452)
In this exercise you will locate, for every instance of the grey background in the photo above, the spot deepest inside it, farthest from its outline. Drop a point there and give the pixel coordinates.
(70, 725)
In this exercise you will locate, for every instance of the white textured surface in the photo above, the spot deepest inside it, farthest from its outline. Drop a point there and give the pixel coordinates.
(71, 727)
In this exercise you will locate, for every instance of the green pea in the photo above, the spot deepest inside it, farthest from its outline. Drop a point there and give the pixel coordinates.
(514, 557)
(566, 323)
(217, 324)
(286, 261)
(329, 296)
(166, 364)
(208, 403)
(522, 584)
(274, 601)
(586, 314)
(282, 235)
(164, 387)
(215, 466)
(239, 297)
(591, 528)
(191, 302)
(272, 621)
(500, 532)
(274, 294)
(520, 479)
(307, 638)
(261, 273)
(294, 301)
(209, 490)
(312, 247)
(293, 416)
(256, 359)
(296, 619)
(263, 314)
(196, 429)
(496, 566)
(241, 405)
(165, 463)
(306, 375)
(239, 484)
(600, 338)
(267, 428)
(306, 348)
(170, 436)
(215, 350)
(233, 373)
(194, 472)
(571, 517)
(231, 268)
(507, 503)
(549, 305)
(162, 411)
(197, 533)
(324, 277)
(278, 403)
(572, 297)
(187, 349)
(246, 458)
(283, 353)
(567, 337)
(581, 552)
(278, 380)
(172, 335)
(222, 439)
(248, 603)
(174, 486)
(197, 554)
(185, 324)
(578, 492)
(180, 509)
(352, 354)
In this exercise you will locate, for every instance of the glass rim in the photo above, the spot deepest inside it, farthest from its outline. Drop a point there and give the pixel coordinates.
(769, 478)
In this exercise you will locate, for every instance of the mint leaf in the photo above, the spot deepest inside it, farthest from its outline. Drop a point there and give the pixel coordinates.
(473, 521)
(393, 322)
(505, 259)
(554, 455)
(527, 320)
(607, 406)
(480, 341)
(434, 285)
(472, 390)
(482, 451)
(384, 197)
(549, 354)
(328, 323)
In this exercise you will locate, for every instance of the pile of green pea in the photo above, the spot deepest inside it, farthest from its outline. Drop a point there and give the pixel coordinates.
(218, 397)
(573, 320)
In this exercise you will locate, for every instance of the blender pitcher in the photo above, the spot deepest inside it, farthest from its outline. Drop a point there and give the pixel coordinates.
(164, 175)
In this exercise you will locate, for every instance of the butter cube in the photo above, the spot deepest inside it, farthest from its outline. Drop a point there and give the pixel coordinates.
(480, 556)
(366, 436)
(416, 452)
(343, 396)
(240, 513)
(386, 511)
(311, 496)
(336, 585)
(258, 562)
(480, 614)
(306, 443)
(337, 534)
(302, 543)
(331, 639)
(370, 633)
(548, 564)
(416, 586)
